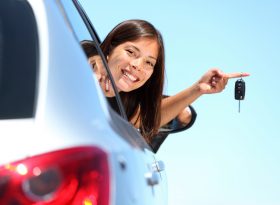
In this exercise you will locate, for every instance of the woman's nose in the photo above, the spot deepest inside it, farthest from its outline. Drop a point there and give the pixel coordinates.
(136, 64)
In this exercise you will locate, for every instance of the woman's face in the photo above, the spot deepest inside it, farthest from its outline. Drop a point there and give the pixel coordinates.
(132, 63)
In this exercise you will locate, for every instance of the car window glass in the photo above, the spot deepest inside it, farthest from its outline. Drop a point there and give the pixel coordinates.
(18, 60)
(89, 45)
(77, 23)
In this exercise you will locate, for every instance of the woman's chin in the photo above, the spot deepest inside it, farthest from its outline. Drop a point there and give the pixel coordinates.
(123, 86)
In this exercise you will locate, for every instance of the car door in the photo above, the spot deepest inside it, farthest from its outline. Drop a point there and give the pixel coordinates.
(153, 189)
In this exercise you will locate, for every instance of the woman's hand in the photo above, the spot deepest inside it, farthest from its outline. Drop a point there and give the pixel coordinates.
(101, 75)
(215, 80)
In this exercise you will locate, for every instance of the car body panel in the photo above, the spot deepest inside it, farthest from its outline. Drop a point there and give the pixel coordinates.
(71, 111)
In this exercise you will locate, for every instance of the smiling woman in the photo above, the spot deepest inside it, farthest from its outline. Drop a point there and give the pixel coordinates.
(135, 54)
(134, 51)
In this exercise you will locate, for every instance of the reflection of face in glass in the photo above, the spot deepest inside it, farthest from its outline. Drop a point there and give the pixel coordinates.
(97, 66)
(100, 73)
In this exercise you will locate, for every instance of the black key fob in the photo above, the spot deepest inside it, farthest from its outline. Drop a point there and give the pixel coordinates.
(239, 92)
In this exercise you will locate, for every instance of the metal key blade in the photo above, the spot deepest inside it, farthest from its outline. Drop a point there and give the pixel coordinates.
(239, 106)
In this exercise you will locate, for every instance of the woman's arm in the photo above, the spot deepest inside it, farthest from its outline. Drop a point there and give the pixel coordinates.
(174, 105)
(213, 81)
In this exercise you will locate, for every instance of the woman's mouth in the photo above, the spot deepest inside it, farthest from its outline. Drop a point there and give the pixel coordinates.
(130, 76)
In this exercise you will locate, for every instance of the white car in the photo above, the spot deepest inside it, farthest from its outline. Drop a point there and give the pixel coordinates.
(61, 143)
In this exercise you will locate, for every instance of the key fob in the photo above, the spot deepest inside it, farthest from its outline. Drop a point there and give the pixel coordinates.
(239, 92)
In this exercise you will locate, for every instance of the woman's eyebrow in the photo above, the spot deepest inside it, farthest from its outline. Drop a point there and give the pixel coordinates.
(135, 48)
(152, 58)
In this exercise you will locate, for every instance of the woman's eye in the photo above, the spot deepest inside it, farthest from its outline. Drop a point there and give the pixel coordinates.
(150, 63)
(94, 66)
(130, 52)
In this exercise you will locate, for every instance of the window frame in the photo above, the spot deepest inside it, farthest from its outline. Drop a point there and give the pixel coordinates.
(96, 38)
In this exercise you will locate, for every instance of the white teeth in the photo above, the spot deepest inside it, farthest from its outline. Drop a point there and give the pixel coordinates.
(107, 85)
(131, 77)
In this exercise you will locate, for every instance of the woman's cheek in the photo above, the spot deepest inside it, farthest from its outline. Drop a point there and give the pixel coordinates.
(148, 74)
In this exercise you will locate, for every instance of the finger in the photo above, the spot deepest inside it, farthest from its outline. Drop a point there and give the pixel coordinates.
(213, 83)
(103, 78)
(221, 84)
(237, 75)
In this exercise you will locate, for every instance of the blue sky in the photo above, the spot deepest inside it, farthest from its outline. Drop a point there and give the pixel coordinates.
(226, 158)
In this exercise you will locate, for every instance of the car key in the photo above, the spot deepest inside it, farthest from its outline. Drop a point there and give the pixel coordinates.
(239, 92)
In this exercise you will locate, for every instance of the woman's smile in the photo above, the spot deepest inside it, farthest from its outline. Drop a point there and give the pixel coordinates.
(128, 75)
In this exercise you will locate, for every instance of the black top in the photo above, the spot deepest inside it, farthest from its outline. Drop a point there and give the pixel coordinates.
(163, 133)
(114, 104)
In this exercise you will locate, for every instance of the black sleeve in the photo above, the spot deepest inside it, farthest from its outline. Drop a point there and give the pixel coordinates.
(187, 126)
(162, 135)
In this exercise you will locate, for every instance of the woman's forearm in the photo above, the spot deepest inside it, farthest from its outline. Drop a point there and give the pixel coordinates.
(172, 106)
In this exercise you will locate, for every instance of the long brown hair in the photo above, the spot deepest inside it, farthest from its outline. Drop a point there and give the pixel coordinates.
(147, 97)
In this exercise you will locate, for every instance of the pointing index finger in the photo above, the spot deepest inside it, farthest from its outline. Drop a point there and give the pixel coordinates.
(237, 75)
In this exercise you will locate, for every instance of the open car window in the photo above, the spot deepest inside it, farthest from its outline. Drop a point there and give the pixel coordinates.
(89, 41)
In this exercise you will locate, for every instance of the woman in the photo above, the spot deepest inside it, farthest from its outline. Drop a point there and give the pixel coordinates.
(135, 53)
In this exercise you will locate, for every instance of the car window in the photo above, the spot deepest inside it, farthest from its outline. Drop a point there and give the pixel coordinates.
(18, 60)
(90, 44)
(77, 23)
